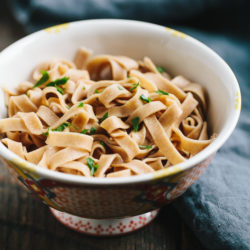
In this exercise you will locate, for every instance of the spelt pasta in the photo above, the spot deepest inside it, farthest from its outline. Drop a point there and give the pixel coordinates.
(105, 116)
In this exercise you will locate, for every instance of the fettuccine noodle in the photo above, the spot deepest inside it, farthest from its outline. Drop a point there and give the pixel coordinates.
(106, 116)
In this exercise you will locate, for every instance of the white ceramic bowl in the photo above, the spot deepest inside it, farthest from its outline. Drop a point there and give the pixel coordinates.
(179, 54)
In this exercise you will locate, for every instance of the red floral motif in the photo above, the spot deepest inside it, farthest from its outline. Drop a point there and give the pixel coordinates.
(132, 225)
(99, 229)
(110, 229)
(78, 225)
(87, 227)
(104, 227)
(155, 194)
(69, 220)
(121, 227)
(142, 220)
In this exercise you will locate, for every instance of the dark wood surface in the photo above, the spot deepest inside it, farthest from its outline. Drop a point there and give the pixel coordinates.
(26, 223)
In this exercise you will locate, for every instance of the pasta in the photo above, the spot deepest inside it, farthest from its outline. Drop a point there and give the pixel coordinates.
(105, 116)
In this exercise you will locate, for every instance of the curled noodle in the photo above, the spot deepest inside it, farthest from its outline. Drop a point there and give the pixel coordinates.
(105, 116)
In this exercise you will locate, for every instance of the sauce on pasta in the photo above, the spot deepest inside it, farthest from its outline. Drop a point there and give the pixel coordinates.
(105, 116)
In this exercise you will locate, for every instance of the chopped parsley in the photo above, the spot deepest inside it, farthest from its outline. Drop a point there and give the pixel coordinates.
(103, 144)
(135, 85)
(46, 133)
(88, 131)
(92, 165)
(44, 78)
(161, 92)
(160, 69)
(104, 117)
(145, 99)
(57, 82)
(62, 127)
(120, 88)
(145, 146)
(60, 90)
(83, 88)
(81, 104)
(92, 131)
(85, 131)
(97, 91)
(135, 122)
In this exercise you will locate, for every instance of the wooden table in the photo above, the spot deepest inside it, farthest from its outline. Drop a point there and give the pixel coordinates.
(26, 223)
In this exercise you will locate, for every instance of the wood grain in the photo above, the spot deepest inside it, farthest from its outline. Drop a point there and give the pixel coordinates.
(26, 223)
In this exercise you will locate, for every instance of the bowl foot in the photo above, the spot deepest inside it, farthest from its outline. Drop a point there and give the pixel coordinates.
(104, 227)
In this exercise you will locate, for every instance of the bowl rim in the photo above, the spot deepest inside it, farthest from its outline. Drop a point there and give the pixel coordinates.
(159, 174)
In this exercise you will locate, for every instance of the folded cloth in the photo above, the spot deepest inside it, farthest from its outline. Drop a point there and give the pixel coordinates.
(217, 206)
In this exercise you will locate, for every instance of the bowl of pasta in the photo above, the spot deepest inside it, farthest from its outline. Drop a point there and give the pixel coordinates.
(106, 121)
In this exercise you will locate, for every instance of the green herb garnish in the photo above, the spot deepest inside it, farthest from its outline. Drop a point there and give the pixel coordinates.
(161, 92)
(145, 146)
(103, 144)
(92, 165)
(97, 91)
(81, 104)
(135, 85)
(57, 82)
(119, 87)
(83, 88)
(160, 69)
(85, 131)
(135, 122)
(60, 90)
(44, 78)
(62, 127)
(145, 99)
(92, 131)
(104, 117)
(46, 133)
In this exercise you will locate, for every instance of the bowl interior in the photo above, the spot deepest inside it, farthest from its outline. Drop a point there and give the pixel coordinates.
(177, 53)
